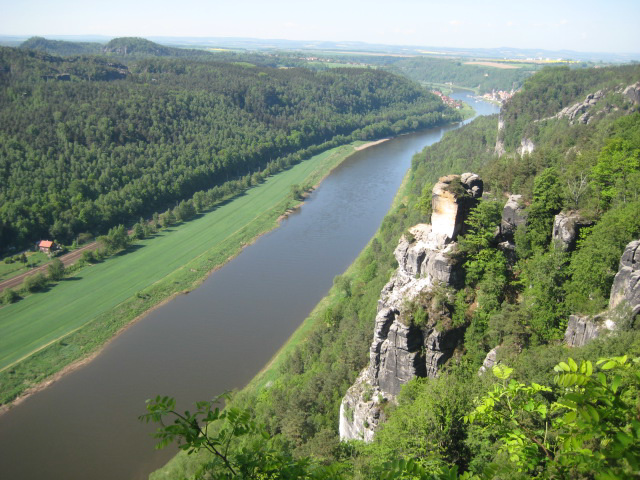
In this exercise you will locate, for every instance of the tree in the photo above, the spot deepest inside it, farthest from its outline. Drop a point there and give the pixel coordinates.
(590, 430)
(547, 202)
(56, 269)
(218, 432)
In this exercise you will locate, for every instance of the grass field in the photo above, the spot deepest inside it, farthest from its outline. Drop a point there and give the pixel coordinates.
(115, 291)
(34, 259)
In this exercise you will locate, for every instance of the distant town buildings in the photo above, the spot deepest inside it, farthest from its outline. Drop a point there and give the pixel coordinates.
(447, 100)
(498, 95)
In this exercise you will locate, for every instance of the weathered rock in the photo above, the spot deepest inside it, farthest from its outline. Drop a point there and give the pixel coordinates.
(401, 350)
(572, 112)
(513, 216)
(490, 360)
(526, 147)
(360, 410)
(566, 228)
(625, 292)
(626, 284)
(581, 330)
(452, 198)
(632, 92)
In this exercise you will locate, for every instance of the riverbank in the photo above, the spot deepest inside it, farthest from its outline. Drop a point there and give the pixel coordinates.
(258, 211)
(308, 375)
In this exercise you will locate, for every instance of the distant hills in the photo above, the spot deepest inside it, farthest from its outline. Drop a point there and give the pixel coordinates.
(61, 47)
(91, 44)
(123, 46)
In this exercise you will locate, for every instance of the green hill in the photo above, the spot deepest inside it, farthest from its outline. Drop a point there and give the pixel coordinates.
(61, 47)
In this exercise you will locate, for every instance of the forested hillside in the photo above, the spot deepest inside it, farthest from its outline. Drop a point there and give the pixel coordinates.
(463, 73)
(87, 142)
(517, 296)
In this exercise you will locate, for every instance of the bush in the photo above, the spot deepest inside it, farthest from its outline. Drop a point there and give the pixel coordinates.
(9, 296)
(33, 283)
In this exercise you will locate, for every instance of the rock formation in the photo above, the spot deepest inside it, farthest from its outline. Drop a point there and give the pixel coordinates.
(490, 360)
(403, 348)
(526, 147)
(626, 284)
(632, 92)
(566, 228)
(625, 293)
(513, 216)
(453, 197)
(579, 110)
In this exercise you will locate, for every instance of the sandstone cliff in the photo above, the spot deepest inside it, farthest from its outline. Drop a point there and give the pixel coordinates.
(624, 301)
(402, 347)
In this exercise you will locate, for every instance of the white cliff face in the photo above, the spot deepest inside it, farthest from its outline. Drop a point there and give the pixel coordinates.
(526, 147)
(400, 350)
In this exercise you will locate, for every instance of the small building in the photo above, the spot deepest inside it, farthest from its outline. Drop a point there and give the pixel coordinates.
(45, 246)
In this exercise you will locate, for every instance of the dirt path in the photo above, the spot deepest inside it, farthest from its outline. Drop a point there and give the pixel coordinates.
(67, 260)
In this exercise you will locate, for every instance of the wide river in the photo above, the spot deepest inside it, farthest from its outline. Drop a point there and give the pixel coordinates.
(216, 338)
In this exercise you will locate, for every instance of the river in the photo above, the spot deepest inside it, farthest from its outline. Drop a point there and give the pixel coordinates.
(216, 338)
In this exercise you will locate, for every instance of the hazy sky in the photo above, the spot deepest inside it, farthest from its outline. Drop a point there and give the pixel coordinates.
(585, 25)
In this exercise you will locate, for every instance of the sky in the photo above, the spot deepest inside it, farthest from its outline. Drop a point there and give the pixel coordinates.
(586, 25)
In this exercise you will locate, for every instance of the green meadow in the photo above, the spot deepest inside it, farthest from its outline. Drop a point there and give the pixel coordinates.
(46, 331)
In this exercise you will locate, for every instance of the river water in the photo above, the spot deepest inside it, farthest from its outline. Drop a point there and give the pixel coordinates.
(216, 338)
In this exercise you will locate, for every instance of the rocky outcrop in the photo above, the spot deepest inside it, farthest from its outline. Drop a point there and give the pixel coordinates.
(453, 197)
(499, 149)
(403, 347)
(513, 216)
(490, 361)
(566, 228)
(625, 293)
(626, 284)
(578, 111)
(581, 330)
(526, 147)
(632, 93)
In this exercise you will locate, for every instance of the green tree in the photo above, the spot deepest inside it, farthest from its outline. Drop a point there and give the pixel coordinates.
(56, 269)
(219, 432)
(547, 202)
(591, 430)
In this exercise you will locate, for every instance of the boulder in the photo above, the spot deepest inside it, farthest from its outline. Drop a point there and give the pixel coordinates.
(513, 216)
(490, 360)
(566, 228)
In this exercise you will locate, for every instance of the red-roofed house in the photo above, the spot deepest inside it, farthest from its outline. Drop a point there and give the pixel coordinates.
(45, 246)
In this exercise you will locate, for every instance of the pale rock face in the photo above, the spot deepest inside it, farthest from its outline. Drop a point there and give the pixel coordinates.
(453, 196)
(581, 330)
(513, 216)
(632, 92)
(490, 360)
(401, 351)
(526, 147)
(566, 227)
(626, 284)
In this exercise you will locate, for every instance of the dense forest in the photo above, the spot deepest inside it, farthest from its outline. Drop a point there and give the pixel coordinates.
(541, 415)
(463, 73)
(87, 143)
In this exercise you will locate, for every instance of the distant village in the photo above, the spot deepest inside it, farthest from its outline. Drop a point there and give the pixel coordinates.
(447, 100)
(498, 95)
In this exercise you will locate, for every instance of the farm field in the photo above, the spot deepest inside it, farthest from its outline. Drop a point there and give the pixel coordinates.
(188, 252)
